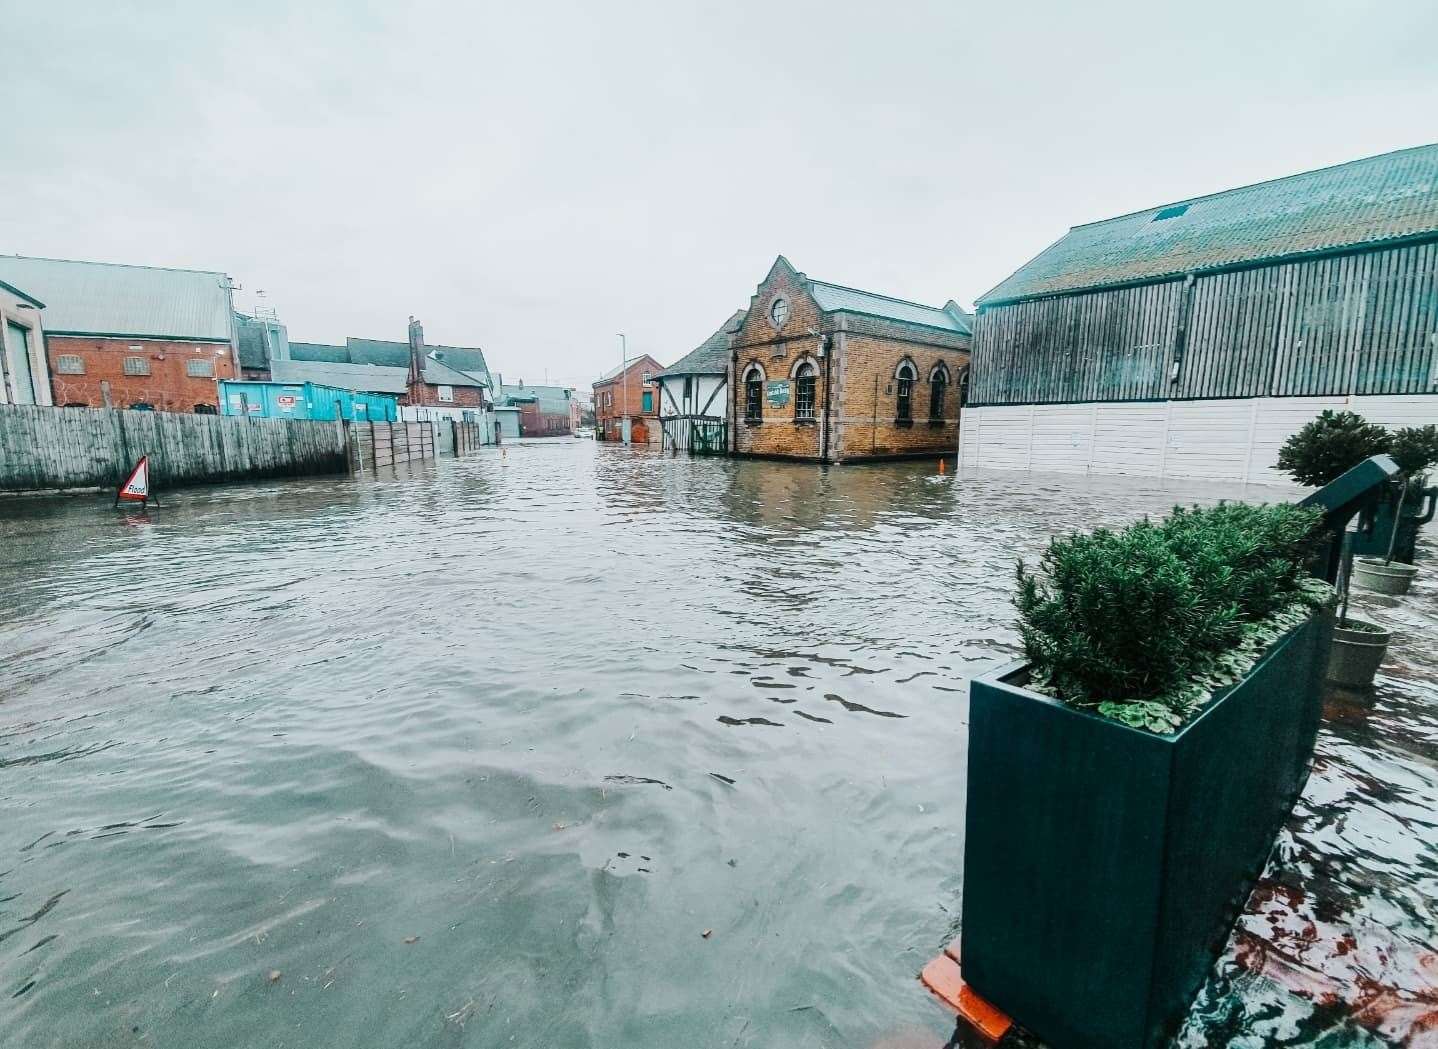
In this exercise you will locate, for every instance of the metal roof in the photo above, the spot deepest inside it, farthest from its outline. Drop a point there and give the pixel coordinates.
(835, 298)
(1363, 202)
(366, 378)
(102, 298)
(710, 357)
(443, 365)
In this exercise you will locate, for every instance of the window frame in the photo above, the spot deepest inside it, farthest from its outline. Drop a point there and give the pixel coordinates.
(203, 362)
(753, 383)
(140, 369)
(806, 387)
(905, 375)
(938, 393)
(60, 364)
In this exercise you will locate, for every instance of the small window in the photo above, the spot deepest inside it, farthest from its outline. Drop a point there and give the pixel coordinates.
(779, 312)
(446, 393)
(1170, 213)
(646, 376)
(142, 406)
(688, 387)
(137, 366)
(206, 409)
(200, 368)
(904, 402)
(70, 364)
(804, 384)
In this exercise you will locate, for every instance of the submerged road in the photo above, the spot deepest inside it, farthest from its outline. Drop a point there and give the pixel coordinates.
(476, 753)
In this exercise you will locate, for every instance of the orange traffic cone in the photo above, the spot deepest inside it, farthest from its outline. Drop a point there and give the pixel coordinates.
(942, 467)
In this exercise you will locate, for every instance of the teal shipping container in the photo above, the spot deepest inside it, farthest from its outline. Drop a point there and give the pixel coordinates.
(304, 400)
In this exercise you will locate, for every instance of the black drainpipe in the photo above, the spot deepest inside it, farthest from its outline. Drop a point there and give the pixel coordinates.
(1180, 337)
(826, 343)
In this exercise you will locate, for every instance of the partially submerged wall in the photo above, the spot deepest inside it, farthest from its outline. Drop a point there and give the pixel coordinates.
(45, 449)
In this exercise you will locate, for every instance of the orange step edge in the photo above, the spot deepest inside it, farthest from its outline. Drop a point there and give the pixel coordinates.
(945, 981)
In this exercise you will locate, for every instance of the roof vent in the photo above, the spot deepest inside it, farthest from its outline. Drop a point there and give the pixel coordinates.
(1170, 213)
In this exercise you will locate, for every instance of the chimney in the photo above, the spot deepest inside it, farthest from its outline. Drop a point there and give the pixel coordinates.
(416, 352)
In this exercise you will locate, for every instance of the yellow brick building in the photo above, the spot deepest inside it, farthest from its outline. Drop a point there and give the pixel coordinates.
(823, 372)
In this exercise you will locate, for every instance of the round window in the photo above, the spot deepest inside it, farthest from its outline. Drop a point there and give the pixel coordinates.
(779, 312)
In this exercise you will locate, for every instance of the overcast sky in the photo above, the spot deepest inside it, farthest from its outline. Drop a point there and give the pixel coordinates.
(535, 177)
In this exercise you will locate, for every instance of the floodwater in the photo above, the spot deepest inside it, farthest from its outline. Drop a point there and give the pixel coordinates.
(580, 746)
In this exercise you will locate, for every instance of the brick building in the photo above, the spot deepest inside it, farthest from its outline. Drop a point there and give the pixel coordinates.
(544, 411)
(628, 392)
(132, 336)
(834, 374)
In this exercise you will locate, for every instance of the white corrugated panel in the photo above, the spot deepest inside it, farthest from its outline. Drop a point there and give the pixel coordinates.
(1003, 438)
(1063, 438)
(1209, 439)
(1128, 438)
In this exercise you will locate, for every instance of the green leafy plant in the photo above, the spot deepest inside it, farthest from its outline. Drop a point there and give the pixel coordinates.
(1142, 624)
(1330, 445)
(1414, 448)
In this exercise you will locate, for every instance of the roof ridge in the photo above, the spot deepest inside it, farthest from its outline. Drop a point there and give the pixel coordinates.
(878, 295)
(119, 265)
(1254, 185)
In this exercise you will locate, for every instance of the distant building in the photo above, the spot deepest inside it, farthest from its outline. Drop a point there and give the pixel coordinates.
(132, 336)
(833, 374)
(544, 411)
(431, 382)
(625, 403)
(694, 394)
(260, 338)
(1192, 339)
(24, 369)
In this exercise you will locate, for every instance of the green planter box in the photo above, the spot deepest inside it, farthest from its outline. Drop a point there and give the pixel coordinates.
(1104, 866)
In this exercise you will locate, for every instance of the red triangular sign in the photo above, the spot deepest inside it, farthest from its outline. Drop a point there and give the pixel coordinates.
(137, 485)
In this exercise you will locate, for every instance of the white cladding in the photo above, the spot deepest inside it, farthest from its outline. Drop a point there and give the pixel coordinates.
(1233, 439)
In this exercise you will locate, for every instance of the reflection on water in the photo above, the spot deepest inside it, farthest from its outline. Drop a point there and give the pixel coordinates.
(476, 754)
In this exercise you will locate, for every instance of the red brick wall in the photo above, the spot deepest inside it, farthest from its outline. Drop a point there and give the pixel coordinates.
(167, 387)
(630, 385)
(427, 395)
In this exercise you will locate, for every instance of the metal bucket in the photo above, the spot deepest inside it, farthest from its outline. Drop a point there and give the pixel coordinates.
(1356, 654)
(1393, 578)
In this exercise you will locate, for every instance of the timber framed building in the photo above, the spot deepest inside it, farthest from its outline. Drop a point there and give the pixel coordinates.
(832, 374)
(1192, 339)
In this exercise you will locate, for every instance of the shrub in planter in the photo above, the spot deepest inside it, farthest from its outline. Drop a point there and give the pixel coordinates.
(1329, 446)
(1125, 785)
(1336, 441)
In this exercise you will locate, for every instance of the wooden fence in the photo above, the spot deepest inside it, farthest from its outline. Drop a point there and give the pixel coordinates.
(377, 445)
(468, 437)
(44, 448)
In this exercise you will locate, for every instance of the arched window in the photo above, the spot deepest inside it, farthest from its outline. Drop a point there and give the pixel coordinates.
(938, 390)
(754, 395)
(805, 382)
(904, 400)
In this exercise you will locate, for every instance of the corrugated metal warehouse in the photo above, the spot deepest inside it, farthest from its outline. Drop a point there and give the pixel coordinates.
(1191, 339)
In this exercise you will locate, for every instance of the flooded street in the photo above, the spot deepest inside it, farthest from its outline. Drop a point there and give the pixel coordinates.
(477, 753)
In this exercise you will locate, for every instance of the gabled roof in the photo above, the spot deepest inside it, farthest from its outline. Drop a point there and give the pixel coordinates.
(367, 378)
(710, 357)
(22, 296)
(835, 298)
(1368, 201)
(102, 298)
(443, 365)
(440, 373)
(629, 365)
(319, 351)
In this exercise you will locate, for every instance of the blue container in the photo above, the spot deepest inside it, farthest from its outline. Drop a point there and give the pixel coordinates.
(307, 400)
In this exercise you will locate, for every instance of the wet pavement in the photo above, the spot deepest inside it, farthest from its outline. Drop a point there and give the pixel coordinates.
(475, 755)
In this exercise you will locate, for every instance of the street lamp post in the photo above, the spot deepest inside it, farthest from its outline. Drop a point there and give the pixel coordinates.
(624, 389)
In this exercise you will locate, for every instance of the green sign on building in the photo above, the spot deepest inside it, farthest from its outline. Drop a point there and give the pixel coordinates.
(778, 393)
